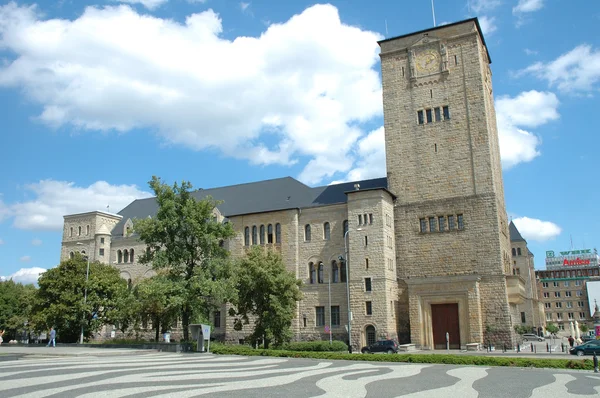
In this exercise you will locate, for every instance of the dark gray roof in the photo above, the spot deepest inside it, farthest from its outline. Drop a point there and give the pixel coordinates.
(515, 235)
(258, 197)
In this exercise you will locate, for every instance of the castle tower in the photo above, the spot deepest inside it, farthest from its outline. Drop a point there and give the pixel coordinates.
(443, 164)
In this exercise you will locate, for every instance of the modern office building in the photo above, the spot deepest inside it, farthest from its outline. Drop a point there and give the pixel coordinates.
(563, 286)
(428, 247)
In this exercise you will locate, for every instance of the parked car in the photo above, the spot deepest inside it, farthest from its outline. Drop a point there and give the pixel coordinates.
(532, 337)
(587, 338)
(588, 348)
(388, 346)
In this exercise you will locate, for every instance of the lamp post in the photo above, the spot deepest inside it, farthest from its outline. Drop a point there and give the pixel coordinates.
(329, 292)
(87, 276)
(348, 289)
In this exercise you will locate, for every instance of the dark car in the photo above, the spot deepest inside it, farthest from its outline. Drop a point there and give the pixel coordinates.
(588, 348)
(587, 338)
(388, 346)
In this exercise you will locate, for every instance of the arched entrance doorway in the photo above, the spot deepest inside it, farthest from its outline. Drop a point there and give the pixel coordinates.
(370, 335)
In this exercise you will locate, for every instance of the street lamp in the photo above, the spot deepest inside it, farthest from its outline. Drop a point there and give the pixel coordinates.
(87, 276)
(348, 289)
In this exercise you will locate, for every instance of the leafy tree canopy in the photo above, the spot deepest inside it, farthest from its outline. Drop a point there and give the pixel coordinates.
(15, 307)
(269, 293)
(551, 328)
(60, 297)
(186, 241)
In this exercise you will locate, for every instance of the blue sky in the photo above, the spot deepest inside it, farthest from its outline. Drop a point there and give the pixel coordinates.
(98, 96)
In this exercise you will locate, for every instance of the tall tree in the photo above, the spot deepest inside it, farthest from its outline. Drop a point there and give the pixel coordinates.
(185, 240)
(60, 298)
(160, 300)
(268, 292)
(16, 301)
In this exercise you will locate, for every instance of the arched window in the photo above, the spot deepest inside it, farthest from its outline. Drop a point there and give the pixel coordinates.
(335, 272)
(71, 255)
(270, 233)
(321, 271)
(518, 251)
(345, 224)
(131, 256)
(277, 233)
(371, 337)
(119, 256)
(125, 256)
(254, 234)
(262, 235)
(312, 273)
(307, 233)
(247, 236)
(326, 231)
(87, 230)
(514, 252)
(343, 275)
(79, 230)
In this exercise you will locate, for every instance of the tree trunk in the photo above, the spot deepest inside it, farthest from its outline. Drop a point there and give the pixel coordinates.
(156, 327)
(185, 322)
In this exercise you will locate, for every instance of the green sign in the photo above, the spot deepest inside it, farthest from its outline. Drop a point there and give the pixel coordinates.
(549, 254)
(573, 252)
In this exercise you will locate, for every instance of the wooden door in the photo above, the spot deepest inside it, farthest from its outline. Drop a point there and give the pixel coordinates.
(444, 319)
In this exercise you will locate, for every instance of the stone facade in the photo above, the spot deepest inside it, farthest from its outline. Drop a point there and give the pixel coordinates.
(443, 163)
(444, 172)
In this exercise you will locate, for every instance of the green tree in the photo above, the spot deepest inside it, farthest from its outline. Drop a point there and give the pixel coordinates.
(160, 300)
(16, 301)
(185, 240)
(551, 328)
(60, 297)
(584, 328)
(267, 291)
(522, 329)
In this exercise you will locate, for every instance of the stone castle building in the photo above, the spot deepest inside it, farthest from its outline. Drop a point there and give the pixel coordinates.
(427, 248)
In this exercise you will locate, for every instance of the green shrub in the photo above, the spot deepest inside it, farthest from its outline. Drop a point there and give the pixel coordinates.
(586, 364)
(314, 346)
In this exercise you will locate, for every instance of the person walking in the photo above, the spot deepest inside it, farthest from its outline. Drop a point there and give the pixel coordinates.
(52, 338)
(571, 341)
(1, 334)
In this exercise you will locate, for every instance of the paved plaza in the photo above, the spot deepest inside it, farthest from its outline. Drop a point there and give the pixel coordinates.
(126, 373)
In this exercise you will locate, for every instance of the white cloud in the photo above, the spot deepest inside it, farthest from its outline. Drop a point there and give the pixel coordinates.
(244, 6)
(25, 259)
(371, 153)
(306, 84)
(577, 70)
(1, 242)
(479, 6)
(196, 1)
(26, 276)
(525, 6)
(538, 230)
(36, 242)
(528, 109)
(488, 25)
(54, 199)
(149, 4)
(4, 210)
(530, 52)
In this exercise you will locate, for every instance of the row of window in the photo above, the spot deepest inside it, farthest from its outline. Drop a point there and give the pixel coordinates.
(337, 272)
(569, 304)
(567, 294)
(258, 234)
(559, 316)
(565, 283)
(566, 274)
(87, 231)
(125, 256)
(441, 223)
(438, 114)
(516, 252)
(364, 220)
(335, 314)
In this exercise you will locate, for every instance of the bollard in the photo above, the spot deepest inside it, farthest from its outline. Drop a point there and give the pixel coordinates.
(595, 363)
(562, 347)
(518, 347)
(504, 347)
(547, 348)
(535, 349)
(532, 348)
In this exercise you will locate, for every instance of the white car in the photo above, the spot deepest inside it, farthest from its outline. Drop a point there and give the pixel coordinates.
(532, 337)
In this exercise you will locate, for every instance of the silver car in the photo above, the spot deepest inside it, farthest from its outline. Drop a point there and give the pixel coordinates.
(532, 337)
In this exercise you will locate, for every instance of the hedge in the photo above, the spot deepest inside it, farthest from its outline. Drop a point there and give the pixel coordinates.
(315, 346)
(586, 364)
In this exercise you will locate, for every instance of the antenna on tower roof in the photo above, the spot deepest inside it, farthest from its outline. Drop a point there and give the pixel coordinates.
(433, 12)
